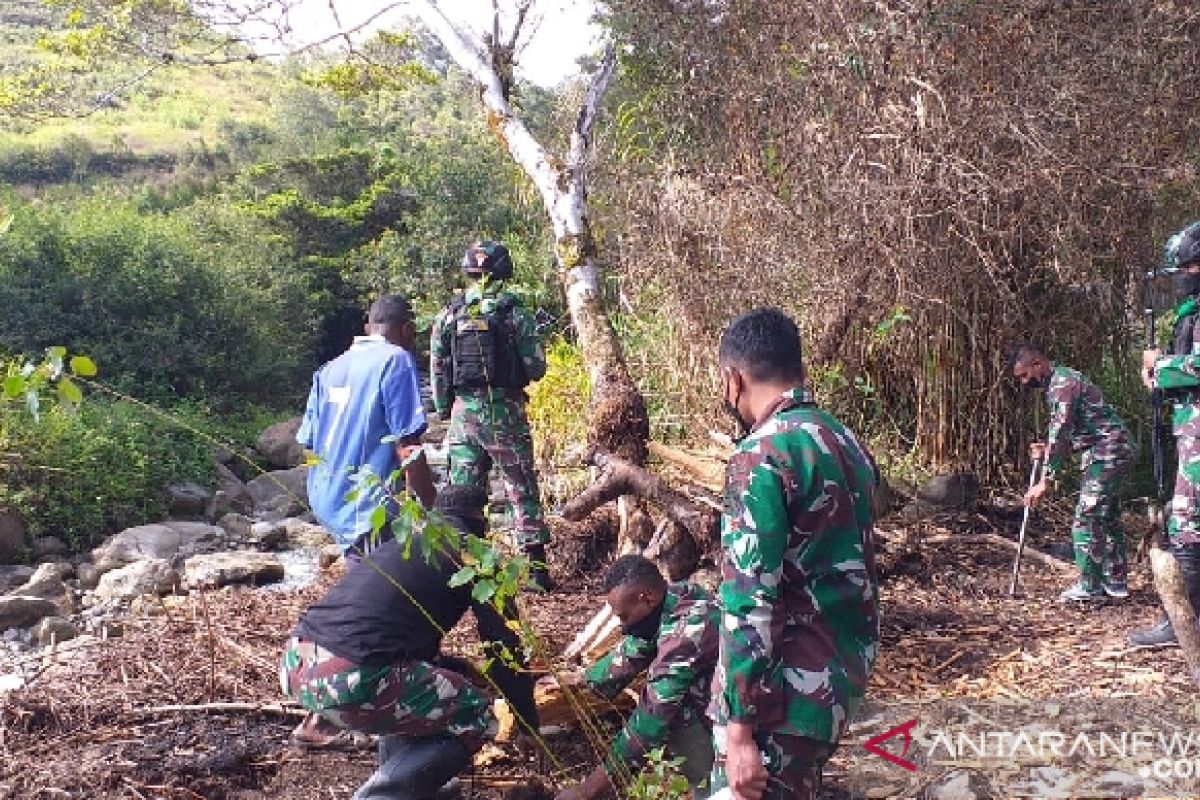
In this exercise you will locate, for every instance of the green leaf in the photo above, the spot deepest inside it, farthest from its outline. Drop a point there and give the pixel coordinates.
(483, 591)
(14, 385)
(58, 352)
(461, 577)
(83, 366)
(378, 518)
(70, 392)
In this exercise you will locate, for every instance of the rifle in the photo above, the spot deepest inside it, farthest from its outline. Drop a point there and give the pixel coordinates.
(1159, 434)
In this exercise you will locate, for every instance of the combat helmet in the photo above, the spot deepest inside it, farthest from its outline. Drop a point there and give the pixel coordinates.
(497, 262)
(1183, 247)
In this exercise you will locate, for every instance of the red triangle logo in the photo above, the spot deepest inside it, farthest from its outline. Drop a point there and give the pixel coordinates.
(905, 730)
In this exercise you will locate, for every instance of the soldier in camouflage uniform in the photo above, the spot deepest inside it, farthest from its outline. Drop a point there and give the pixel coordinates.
(1177, 374)
(671, 636)
(800, 620)
(1081, 421)
(484, 352)
(366, 658)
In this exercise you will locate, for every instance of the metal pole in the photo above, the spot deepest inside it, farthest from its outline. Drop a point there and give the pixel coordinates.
(1033, 479)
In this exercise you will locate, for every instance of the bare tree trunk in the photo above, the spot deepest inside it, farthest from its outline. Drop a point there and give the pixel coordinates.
(618, 421)
(1169, 585)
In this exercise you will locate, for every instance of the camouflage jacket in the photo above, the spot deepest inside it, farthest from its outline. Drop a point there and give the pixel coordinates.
(1178, 372)
(800, 608)
(679, 666)
(1080, 419)
(484, 296)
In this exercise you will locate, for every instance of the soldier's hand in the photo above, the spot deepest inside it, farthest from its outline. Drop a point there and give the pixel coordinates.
(1036, 492)
(1037, 450)
(744, 766)
(1149, 357)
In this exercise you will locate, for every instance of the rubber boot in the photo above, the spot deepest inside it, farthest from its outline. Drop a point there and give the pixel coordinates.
(413, 769)
(1162, 634)
(539, 574)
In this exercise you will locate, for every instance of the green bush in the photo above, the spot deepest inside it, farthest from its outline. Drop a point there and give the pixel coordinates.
(86, 473)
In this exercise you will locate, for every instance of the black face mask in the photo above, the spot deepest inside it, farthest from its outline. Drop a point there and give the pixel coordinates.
(732, 410)
(647, 627)
(1188, 283)
(1035, 383)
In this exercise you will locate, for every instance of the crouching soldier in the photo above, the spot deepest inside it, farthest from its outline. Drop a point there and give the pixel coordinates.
(671, 635)
(366, 658)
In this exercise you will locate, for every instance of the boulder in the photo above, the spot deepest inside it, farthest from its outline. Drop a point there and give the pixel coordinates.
(278, 444)
(222, 569)
(47, 546)
(242, 464)
(305, 534)
(13, 575)
(955, 490)
(165, 540)
(231, 495)
(236, 525)
(47, 583)
(148, 576)
(286, 483)
(12, 537)
(21, 612)
(52, 630)
(188, 499)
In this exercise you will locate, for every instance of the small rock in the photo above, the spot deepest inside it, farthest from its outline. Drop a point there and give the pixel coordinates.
(237, 526)
(278, 444)
(12, 537)
(21, 612)
(52, 630)
(268, 535)
(955, 490)
(188, 499)
(47, 583)
(328, 556)
(14, 575)
(88, 575)
(149, 576)
(105, 628)
(152, 605)
(49, 546)
(223, 569)
(305, 534)
(10, 683)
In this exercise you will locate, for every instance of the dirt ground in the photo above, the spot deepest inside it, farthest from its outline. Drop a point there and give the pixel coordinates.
(101, 721)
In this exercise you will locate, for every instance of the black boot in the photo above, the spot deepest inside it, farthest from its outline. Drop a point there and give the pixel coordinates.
(1162, 634)
(413, 769)
(539, 574)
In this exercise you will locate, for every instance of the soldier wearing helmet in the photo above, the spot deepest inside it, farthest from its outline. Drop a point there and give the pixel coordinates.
(1177, 373)
(484, 352)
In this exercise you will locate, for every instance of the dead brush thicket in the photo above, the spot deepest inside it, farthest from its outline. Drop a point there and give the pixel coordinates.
(922, 184)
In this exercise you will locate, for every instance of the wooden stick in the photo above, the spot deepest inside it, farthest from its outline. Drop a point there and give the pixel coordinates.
(282, 709)
(1000, 541)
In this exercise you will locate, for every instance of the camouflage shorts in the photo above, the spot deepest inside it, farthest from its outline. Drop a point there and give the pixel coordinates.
(413, 698)
(793, 762)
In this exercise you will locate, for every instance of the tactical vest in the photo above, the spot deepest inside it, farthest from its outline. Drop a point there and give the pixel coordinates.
(1181, 338)
(483, 347)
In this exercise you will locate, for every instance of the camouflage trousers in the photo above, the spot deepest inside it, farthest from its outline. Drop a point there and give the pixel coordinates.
(793, 762)
(411, 698)
(1099, 540)
(495, 432)
(1183, 528)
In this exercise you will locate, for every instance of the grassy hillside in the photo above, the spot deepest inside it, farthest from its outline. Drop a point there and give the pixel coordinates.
(166, 112)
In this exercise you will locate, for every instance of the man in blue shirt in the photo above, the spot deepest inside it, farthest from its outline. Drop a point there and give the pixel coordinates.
(364, 413)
